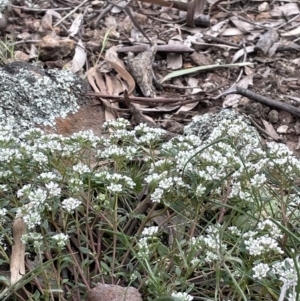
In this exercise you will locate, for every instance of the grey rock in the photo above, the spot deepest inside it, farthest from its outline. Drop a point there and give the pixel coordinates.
(203, 125)
(31, 96)
(108, 292)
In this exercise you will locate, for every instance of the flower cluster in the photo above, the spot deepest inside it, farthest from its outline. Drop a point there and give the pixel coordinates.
(217, 183)
(182, 296)
(70, 204)
(264, 240)
(213, 248)
(117, 183)
(147, 243)
(36, 239)
(60, 239)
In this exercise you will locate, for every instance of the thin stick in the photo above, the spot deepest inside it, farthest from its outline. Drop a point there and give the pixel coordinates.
(266, 101)
(70, 13)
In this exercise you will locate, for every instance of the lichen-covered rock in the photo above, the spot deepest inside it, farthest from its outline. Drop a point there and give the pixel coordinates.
(203, 125)
(31, 96)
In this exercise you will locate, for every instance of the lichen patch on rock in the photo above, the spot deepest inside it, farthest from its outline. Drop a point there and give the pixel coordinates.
(31, 96)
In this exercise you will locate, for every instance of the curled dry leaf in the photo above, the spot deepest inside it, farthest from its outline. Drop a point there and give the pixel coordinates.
(95, 78)
(112, 58)
(91, 73)
(192, 82)
(79, 58)
(241, 52)
(267, 40)
(217, 29)
(75, 25)
(270, 130)
(242, 25)
(292, 33)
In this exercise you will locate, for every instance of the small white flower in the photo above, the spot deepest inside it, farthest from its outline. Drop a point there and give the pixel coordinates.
(200, 190)
(272, 228)
(143, 246)
(48, 176)
(70, 204)
(258, 180)
(34, 237)
(133, 277)
(32, 218)
(53, 189)
(260, 271)
(120, 123)
(157, 195)
(40, 158)
(24, 191)
(3, 187)
(195, 261)
(115, 188)
(166, 183)
(38, 196)
(81, 168)
(3, 212)
(5, 173)
(286, 271)
(262, 245)
(211, 256)
(182, 296)
(61, 239)
(149, 231)
(234, 231)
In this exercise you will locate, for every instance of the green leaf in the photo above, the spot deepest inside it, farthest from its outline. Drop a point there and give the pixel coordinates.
(167, 298)
(178, 271)
(105, 266)
(201, 68)
(36, 295)
(4, 280)
(84, 250)
(162, 250)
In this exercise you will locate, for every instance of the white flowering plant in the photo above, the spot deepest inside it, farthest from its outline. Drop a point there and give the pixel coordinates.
(188, 218)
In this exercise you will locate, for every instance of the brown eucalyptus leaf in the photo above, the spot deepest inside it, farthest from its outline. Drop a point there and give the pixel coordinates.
(91, 79)
(79, 58)
(112, 58)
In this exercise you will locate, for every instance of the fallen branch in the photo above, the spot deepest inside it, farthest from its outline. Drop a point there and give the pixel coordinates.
(265, 101)
(160, 48)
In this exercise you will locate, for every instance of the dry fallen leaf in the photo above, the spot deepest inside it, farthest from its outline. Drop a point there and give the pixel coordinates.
(91, 78)
(111, 57)
(75, 25)
(192, 82)
(79, 58)
(270, 130)
(174, 60)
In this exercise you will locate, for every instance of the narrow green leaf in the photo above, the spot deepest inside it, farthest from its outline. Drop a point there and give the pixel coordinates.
(167, 298)
(84, 250)
(202, 68)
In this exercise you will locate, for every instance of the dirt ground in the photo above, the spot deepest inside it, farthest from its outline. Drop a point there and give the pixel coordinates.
(90, 38)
